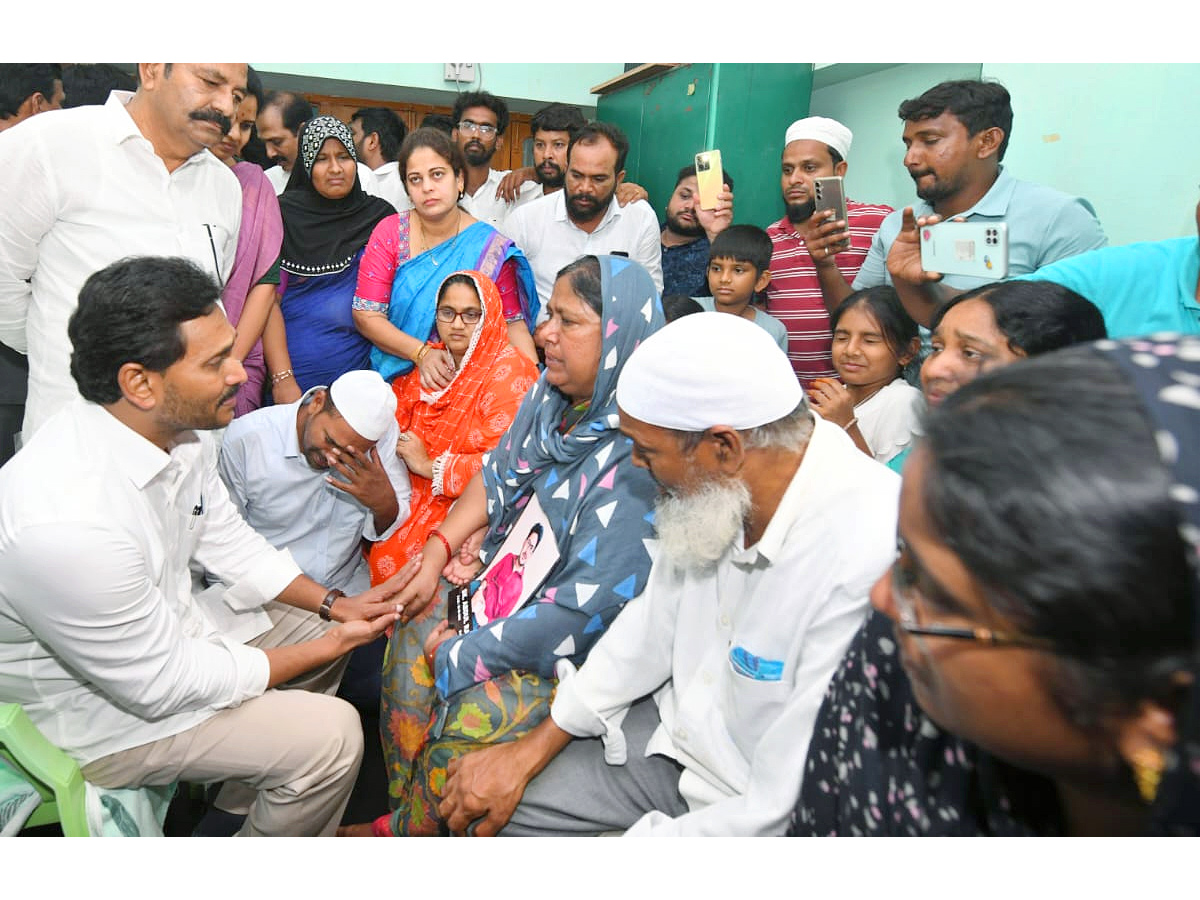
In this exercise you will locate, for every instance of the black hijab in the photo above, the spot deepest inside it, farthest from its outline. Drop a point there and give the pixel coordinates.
(322, 236)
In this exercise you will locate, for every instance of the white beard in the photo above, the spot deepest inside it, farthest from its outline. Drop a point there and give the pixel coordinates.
(695, 529)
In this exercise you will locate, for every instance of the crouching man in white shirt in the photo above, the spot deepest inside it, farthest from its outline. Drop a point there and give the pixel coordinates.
(772, 529)
(101, 640)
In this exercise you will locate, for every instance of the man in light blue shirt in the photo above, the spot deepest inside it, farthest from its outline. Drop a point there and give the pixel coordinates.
(956, 134)
(319, 475)
(1140, 288)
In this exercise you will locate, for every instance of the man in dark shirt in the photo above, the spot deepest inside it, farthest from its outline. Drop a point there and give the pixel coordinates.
(687, 233)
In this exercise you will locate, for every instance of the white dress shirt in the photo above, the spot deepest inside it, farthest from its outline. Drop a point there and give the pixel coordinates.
(101, 640)
(550, 239)
(784, 608)
(81, 189)
(390, 187)
(485, 206)
(291, 504)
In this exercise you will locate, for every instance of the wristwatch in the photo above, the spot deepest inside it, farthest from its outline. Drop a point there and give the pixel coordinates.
(326, 610)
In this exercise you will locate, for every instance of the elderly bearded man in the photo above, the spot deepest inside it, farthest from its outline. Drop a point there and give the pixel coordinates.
(772, 529)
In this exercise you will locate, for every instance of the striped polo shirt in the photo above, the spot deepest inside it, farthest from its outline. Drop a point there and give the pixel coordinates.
(794, 293)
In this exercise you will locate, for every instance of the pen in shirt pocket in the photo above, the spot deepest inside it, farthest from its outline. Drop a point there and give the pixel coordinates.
(197, 512)
(213, 246)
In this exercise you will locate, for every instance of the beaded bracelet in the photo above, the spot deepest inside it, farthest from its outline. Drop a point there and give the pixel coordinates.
(281, 376)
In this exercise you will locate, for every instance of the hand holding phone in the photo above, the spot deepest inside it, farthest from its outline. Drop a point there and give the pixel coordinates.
(458, 609)
(710, 177)
(829, 193)
(978, 249)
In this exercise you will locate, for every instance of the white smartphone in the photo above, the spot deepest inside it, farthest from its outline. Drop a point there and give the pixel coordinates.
(710, 177)
(979, 249)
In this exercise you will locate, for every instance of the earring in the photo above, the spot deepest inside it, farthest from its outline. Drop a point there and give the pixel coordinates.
(1147, 766)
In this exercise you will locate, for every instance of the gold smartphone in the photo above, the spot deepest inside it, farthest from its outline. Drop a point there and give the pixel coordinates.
(710, 177)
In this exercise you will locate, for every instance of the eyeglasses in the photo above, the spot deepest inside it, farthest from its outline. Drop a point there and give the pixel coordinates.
(448, 314)
(904, 589)
(466, 125)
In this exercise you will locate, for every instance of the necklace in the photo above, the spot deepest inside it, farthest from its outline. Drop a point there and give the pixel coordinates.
(869, 396)
(425, 248)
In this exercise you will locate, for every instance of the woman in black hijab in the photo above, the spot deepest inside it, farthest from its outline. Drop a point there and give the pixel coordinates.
(327, 219)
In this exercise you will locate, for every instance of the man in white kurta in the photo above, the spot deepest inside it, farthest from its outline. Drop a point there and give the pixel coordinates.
(85, 187)
(742, 623)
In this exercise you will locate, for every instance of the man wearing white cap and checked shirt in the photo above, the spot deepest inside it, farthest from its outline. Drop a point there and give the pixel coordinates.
(101, 639)
(815, 256)
(772, 530)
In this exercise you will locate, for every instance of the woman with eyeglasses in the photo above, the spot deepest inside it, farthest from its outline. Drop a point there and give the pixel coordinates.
(444, 433)
(410, 254)
(1032, 661)
(443, 437)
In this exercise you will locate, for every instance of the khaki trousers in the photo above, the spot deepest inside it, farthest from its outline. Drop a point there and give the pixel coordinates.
(289, 759)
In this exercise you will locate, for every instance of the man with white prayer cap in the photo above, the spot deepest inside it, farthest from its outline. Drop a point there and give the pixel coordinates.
(315, 477)
(816, 254)
(320, 475)
(772, 529)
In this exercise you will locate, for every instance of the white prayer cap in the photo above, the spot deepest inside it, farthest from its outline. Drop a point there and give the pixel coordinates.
(817, 128)
(365, 401)
(708, 369)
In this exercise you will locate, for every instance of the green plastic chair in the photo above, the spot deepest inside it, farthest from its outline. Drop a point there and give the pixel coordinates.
(54, 774)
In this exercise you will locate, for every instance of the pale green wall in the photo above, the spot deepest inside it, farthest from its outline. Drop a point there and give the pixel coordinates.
(867, 106)
(1126, 136)
(1127, 140)
(537, 83)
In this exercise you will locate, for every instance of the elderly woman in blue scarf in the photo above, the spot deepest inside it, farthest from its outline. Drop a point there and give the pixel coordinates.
(564, 448)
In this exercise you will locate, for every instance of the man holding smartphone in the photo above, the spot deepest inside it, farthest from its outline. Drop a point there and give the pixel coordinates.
(688, 231)
(955, 135)
(816, 254)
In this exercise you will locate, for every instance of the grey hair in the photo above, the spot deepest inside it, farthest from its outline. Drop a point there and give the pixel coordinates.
(788, 433)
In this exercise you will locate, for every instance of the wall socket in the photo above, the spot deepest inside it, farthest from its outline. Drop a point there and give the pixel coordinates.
(460, 72)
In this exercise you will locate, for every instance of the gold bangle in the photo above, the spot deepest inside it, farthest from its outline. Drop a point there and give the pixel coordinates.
(425, 348)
